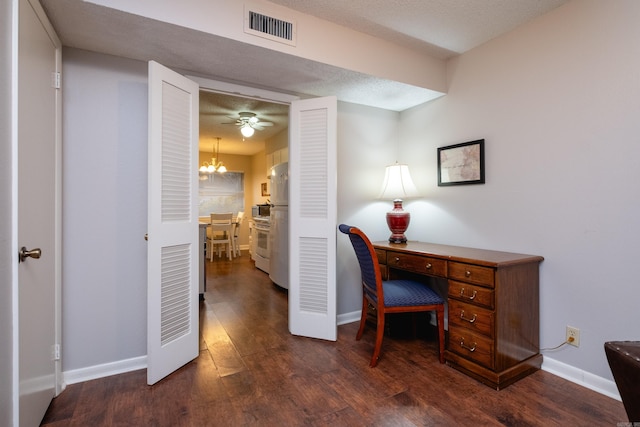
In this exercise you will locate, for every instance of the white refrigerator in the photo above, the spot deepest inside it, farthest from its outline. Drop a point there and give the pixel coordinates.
(279, 232)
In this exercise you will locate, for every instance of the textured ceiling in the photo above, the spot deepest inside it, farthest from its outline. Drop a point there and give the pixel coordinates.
(439, 28)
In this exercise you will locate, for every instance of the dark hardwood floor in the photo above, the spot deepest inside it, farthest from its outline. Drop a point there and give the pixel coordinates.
(251, 371)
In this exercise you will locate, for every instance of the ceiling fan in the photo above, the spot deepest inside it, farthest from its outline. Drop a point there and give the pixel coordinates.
(248, 123)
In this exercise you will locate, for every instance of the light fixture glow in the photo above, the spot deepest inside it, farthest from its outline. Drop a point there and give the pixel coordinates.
(397, 185)
(247, 130)
(213, 166)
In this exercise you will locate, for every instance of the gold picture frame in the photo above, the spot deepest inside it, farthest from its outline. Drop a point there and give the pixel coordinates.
(264, 190)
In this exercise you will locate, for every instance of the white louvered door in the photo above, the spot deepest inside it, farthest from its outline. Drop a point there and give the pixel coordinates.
(172, 257)
(313, 217)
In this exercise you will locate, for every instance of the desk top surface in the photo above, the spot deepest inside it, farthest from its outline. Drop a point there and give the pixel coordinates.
(459, 253)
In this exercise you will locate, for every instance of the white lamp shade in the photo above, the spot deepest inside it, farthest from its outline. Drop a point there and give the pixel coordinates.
(247, 131)
(397, 183)
(222, 168)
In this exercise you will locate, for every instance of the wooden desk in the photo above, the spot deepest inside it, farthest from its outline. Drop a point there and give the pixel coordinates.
(493, 303)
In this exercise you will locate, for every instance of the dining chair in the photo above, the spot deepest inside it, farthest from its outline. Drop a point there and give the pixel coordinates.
(390, 296)
(236, 233)
(220, 234)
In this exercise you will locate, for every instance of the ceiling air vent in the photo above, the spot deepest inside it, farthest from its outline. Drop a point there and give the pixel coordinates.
(269, 27)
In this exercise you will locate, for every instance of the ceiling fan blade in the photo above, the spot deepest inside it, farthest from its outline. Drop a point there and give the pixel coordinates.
(265, 123)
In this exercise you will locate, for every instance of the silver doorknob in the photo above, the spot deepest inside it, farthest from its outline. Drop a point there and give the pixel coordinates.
(33, 253)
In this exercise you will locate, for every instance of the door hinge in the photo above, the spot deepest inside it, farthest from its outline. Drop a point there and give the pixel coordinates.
(55, 80)
(55, 353)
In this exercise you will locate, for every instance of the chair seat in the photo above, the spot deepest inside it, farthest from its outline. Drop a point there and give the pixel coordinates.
(402, 293)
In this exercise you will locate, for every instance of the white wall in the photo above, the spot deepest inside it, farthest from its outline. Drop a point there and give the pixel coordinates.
(367, 142)
(104, 209)
(6, 276)
(558, 103)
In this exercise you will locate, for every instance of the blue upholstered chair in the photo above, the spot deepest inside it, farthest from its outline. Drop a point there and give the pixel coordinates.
(390, 296)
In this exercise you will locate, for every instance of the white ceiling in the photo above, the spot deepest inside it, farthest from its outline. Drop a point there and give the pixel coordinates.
(439, 28)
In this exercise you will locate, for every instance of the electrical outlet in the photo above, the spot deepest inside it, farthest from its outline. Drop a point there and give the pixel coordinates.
(573, 336)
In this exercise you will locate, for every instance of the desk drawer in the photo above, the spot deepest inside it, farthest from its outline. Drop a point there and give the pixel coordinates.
(471, 317)
(471, 346)
(471, 294)
(417, 264)
(471, 273)
(382, 256)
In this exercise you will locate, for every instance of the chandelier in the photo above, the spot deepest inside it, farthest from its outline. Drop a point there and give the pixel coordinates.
(211, 167)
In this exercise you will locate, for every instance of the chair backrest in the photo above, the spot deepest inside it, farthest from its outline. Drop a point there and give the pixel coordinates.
(222, 218)
(369, 267)
(221, 223)
(239, 220)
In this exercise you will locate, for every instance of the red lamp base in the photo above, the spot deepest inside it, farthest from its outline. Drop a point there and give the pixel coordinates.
(398, 221)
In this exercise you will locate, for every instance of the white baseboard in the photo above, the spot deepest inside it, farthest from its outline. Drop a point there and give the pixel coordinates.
(580, 377)
(105, 370)
(345, 318)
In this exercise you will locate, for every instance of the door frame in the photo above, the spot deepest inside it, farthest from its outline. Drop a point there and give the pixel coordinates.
(15, 343)
(242, 91)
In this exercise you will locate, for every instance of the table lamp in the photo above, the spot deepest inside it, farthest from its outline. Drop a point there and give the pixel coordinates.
(396, 186)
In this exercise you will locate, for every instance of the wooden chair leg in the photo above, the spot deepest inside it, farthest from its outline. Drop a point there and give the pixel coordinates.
(440, 316)
(363, 317)
(379, 336)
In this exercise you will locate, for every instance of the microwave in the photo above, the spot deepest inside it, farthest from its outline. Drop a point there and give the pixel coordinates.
(260, 210)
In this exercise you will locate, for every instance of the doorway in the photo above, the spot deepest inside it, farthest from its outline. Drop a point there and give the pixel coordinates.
(313, 182)
(222, 116)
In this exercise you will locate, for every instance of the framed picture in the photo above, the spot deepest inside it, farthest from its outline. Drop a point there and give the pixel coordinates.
(461, 164)
(264, 190)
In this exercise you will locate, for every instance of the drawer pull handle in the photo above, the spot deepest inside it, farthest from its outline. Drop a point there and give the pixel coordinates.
(467, 273)
(471, 349)
(428, 266)
(468, 320)
(471, 298)
(397, 260)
